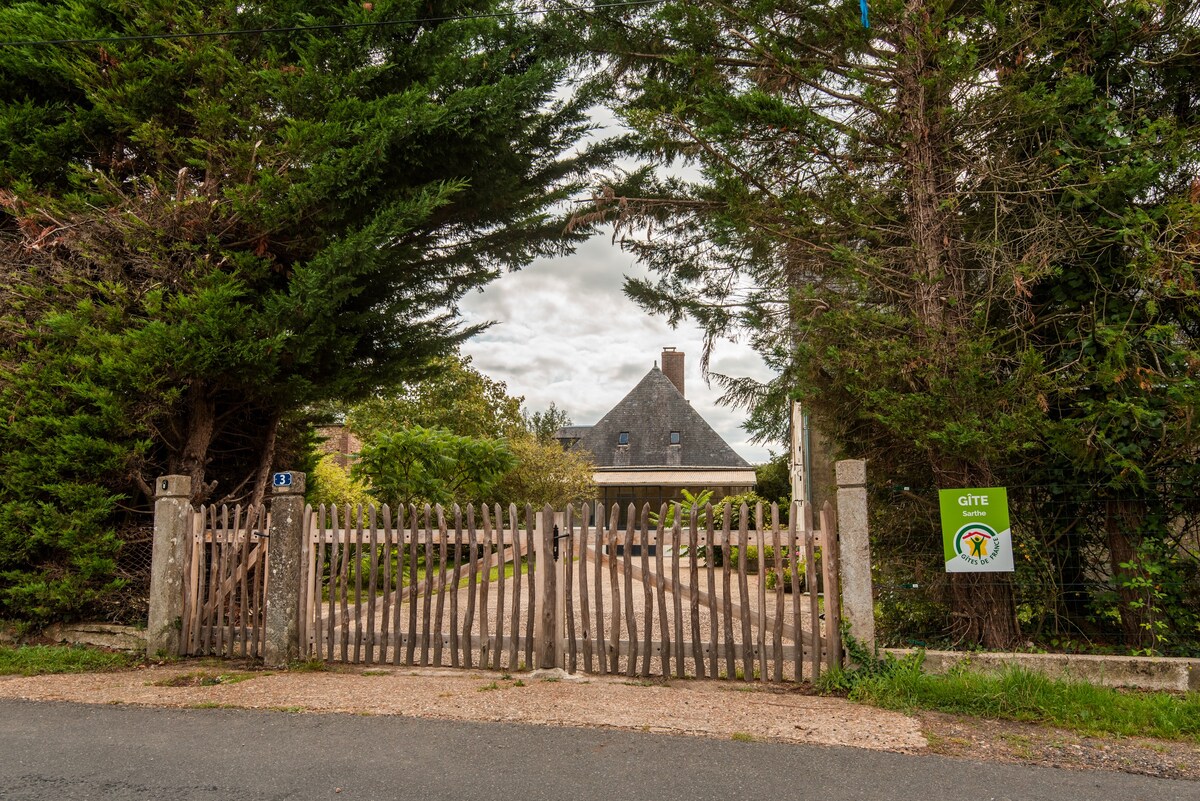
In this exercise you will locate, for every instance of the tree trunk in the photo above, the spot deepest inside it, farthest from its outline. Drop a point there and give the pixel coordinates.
(1120, 518)
(983, 606)
(983, 610)
(266, 458)
(201, 428)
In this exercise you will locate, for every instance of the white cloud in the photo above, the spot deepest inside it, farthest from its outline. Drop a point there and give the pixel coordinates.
(566, 333)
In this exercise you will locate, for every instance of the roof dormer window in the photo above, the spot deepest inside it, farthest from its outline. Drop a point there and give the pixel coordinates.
(623, 438)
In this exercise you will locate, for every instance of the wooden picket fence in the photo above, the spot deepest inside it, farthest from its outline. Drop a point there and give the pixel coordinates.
(476, 587)
(225, 581)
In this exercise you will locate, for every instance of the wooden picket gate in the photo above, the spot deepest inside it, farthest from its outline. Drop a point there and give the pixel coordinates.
(573, 590)
(225, 581)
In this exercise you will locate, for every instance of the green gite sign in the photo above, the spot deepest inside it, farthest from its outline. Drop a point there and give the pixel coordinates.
(976, 535)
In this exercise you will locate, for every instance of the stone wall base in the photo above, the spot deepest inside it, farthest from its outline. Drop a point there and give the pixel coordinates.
(1138, 672)
(103, 635)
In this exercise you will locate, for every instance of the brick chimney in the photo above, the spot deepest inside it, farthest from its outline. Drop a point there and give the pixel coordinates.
(672, 367)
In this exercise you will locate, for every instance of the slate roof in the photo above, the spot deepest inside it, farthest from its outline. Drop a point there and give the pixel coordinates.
(649, 413)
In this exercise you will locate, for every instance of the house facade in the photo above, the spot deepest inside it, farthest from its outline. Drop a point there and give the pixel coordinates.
(653, 445)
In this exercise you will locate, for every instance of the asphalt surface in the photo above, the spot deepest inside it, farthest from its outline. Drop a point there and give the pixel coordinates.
(61, 752)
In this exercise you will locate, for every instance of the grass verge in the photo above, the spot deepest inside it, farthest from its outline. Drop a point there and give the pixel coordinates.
(1022, 695)
(35, 660)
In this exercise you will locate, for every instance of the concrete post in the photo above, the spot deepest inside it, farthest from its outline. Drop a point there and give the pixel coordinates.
(858, 601)
(281, 620)
(172, 518)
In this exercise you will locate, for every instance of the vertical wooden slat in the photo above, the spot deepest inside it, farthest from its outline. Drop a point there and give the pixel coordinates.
(344, 580)
(793, 537)
(334, 555)
(744, 596)
(485, 568)
(727, 593)
(677, 596)
(386, 561)
(404, 522)
(833, 595)
(584, 601)
(235, 550)
(814, 608)
(231, 595)
(244, 612)
(515, 625)
(627, 571)
(410, 651)
(714, 620)
(359, 612)
(185, 620)
(372, 583)
(442, 588)
(203, 568)
(694, 598)
(761, 640)
(614, 656)
(229, 582)
(214, 581)
(222, 571)
(454, 580)
(777, 618)
(468, 641)
(533, 603)
(660, 582)
(427, 588)
(568, 554)
(309, 571)
(258, 589)
(501, 579)
(647, 590)
(598, 536)
(197, 574)
(226, 612)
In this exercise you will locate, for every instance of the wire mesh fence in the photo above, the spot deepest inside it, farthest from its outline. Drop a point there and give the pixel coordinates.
(1096, 572)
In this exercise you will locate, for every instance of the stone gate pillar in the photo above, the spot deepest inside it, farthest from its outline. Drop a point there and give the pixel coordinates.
(858, 601)
(172, 519)
(281, 619)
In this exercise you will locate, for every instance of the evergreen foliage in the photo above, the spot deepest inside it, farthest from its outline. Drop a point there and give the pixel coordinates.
(965, 236)
(202, 237)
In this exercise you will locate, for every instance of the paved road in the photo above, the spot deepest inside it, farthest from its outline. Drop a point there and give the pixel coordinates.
(62, 752)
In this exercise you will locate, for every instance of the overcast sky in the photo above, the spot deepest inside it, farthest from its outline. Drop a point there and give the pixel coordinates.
(565, 332)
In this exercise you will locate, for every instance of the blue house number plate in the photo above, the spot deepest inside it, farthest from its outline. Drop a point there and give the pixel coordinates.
(282, 480)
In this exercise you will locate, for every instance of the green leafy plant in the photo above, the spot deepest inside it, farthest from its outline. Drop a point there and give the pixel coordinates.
(431, 465)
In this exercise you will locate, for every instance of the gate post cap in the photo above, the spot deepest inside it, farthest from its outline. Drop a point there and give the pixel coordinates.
(287, 482)
(851, 473)
(173, 487)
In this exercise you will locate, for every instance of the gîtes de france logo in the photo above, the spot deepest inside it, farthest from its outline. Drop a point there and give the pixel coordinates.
(977, 544)
(976, 531)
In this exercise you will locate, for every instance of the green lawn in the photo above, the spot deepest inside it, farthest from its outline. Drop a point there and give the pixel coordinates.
(1022, 695)
(34, 660)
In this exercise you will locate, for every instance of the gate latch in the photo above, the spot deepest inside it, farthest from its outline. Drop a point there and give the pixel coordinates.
(558, 537)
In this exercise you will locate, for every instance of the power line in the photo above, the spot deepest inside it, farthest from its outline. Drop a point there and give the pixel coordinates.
(328, 27)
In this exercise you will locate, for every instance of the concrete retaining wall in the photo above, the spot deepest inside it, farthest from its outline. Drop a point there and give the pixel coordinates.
(1139, 672)
(104, 635)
